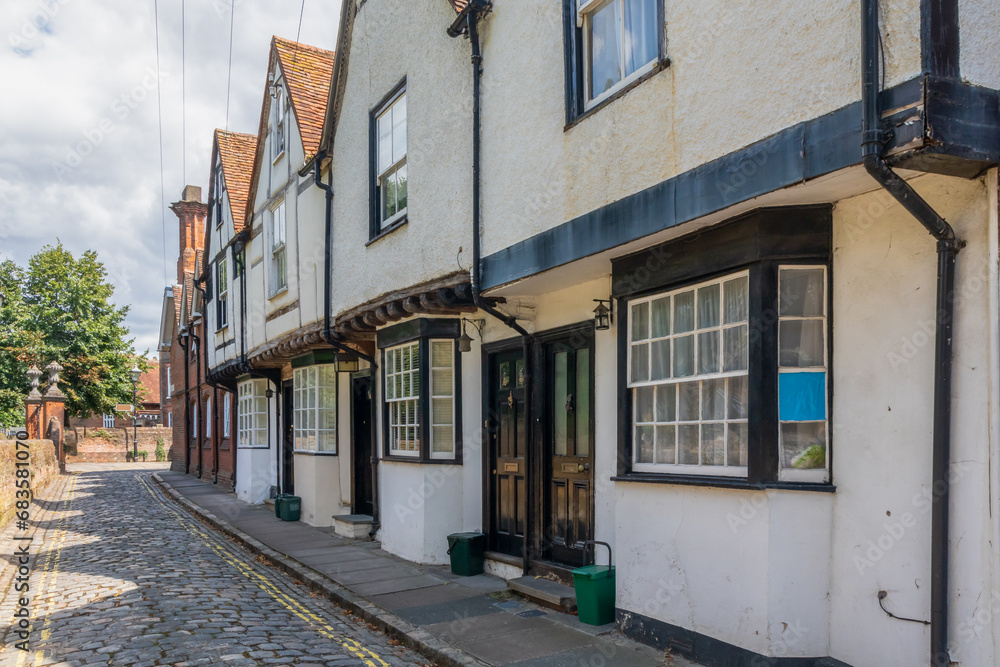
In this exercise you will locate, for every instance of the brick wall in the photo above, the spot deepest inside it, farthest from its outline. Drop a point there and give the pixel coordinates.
(84, 446)
(43, 468)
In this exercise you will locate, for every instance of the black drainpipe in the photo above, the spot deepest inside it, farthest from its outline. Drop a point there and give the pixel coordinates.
(197, 394)
(187, 407)
(873, 139)
(332, 340)
(468, 22)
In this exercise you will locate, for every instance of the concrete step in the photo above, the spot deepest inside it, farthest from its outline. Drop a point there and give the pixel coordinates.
(545, 592)
(353, 526)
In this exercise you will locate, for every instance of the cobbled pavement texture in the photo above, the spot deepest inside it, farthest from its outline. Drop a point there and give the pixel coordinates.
(122, 576)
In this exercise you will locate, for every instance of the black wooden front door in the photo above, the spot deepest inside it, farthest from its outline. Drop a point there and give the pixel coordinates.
(508, 448)
(287, 439)
(361, 438)
(568, 446)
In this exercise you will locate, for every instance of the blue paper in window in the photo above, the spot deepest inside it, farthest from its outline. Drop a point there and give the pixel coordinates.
(801, 397)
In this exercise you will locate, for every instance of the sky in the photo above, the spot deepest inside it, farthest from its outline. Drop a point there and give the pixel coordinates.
(79, 131)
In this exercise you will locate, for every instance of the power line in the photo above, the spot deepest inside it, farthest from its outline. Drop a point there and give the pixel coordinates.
(229, 83)
(159, 121)
(302, 11)
(183, 105)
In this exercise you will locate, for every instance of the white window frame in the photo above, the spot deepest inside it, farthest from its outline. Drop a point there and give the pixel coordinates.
(281, 112)
(227, 408)
(108, 418)
(251, 420)
(222, 287)
(814, 475)
(402, 394)
(585, 13)
(219, 192)
(170, 386)
(315, 397)
(394, 166)
(278, 250)
(208, 417)
(679, 468)
(437, 394)
(194, 423)
(170, 419)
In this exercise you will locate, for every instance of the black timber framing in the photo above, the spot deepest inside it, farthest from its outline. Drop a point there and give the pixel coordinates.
(959, 128)
(939, 38)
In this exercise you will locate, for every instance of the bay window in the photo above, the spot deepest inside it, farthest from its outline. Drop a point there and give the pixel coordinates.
(726, 350)
(251, 414)
(420, 365)
(315, 400)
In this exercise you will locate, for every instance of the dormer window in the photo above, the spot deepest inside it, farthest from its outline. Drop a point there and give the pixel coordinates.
(278, 131)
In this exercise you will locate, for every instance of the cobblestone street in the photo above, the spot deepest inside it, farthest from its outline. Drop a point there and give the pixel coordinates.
(122, 576)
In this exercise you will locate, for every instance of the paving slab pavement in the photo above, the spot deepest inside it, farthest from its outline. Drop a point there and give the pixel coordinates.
(453, 620)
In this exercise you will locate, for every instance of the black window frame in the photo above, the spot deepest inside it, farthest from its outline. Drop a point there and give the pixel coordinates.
(221, 295)
(423, 330)
(375, 228)
(759, 242)
(574, 65)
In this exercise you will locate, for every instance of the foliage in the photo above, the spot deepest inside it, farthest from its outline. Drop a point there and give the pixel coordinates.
(102, 433)
(161, 452)
(143, 453)
(59, 309)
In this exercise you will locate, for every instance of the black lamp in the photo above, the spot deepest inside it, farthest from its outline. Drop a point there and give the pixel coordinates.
(465, 340)
(603, 315)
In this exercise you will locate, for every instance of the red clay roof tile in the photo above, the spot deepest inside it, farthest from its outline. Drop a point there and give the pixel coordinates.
(236, 150)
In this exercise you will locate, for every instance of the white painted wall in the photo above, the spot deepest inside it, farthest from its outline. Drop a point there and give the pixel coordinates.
(317, 482)
(979, 28)
(421, 504)
(392, 41)
(727, 86)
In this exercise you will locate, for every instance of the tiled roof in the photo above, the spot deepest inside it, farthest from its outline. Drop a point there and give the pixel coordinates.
(307, 71)
(237, 151)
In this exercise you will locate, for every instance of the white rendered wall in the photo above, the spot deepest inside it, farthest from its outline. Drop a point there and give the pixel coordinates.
(979, 27)
(317, 482)
(421, 504)
(739, 72)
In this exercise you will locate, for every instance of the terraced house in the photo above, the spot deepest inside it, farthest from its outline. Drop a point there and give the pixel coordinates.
(714, 284)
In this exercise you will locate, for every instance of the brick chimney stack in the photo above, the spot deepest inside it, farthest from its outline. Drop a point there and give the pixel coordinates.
(191, 213)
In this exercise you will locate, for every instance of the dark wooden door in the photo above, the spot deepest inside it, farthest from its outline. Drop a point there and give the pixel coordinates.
(361, 439)
(288, 439)
(506, 430)
(568, 437)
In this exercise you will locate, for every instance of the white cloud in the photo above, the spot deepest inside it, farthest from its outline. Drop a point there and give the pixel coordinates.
(79, 150)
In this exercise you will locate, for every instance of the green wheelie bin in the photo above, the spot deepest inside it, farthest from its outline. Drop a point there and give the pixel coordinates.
(468, 553)
(595, 591)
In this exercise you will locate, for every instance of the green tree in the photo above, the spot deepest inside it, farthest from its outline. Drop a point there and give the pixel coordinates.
(60, 309)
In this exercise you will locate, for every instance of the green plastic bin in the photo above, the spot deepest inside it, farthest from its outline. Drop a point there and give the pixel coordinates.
(595, 591)
(277, 505)
(468, 553)
(288, 507)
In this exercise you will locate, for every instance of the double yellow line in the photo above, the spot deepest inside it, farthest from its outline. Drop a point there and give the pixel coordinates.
(365, 654)
(49, 576)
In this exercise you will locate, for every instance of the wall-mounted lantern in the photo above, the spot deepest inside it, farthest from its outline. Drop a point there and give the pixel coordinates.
(603, 315)
(465, 340)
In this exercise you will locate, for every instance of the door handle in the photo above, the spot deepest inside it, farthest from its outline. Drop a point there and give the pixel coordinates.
(583, 467)
(569, 402)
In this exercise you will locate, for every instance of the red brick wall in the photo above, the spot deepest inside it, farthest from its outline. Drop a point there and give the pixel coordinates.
(43, 469)
(84, 446)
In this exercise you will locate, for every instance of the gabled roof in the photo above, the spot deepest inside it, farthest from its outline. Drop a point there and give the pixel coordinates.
(307, 71)
(236, 151)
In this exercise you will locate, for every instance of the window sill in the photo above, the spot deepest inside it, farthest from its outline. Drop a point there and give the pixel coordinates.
(720, 482)
(416, 459)
(254, 447)
(277, 157)
(222, 329)
(275, 295)
(306, 452)
(621, 92)
(396, 224)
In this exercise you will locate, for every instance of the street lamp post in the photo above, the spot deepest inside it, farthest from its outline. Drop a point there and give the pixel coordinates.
(136, 374)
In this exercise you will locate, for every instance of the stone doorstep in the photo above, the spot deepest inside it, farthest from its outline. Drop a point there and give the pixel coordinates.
(353, 526)
(544, 592)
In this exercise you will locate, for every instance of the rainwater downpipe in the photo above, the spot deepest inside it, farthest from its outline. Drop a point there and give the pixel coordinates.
(470, 17)
(873, 140)
(187, 406)
(332, 340)
(197, 394)
(216, 407)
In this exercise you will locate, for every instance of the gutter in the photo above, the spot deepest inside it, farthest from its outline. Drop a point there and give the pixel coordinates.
(331, 338)
(467, 22)
(873, 140)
